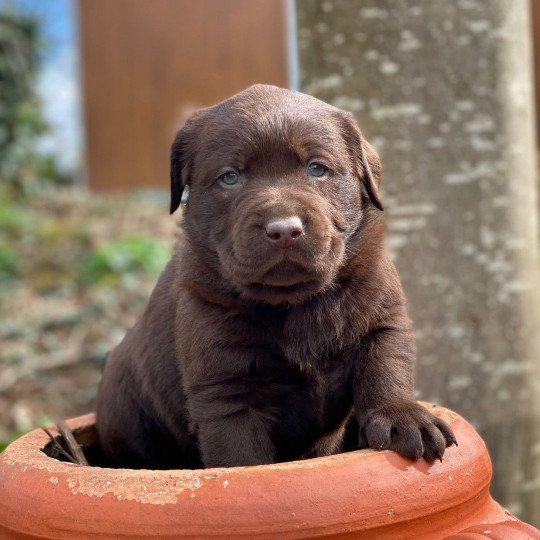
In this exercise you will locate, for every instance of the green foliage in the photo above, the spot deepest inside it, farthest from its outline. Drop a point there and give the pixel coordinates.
(10, 267)
(10, 438)
(53, 245)
(21, 119)
(11, 216)
(128, 255)
(14, 435)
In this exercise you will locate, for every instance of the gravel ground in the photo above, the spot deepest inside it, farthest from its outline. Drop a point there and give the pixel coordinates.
(76, 270)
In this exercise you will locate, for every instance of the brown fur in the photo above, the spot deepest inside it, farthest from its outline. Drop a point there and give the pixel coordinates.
(248, 353)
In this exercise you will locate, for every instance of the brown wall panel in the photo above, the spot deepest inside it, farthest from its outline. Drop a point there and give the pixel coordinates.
(146, 61)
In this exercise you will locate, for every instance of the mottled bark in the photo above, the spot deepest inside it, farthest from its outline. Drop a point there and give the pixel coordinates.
(443, 91)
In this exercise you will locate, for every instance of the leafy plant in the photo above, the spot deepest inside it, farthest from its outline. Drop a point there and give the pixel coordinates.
(15, 434)
(21, 118)
(129, 254)
(10, 438)
(9, 263)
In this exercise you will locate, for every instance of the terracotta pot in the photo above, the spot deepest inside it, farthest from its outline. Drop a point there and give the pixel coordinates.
(363, 494)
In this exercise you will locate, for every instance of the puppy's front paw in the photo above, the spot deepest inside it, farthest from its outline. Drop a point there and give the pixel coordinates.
(407, 428)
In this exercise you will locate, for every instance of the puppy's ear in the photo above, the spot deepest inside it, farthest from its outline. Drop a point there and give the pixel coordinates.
(189, 119)
(372, 166)
(367, 158)
(178, 180)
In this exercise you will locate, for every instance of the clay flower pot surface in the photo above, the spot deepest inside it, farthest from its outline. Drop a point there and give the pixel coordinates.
(363, 494)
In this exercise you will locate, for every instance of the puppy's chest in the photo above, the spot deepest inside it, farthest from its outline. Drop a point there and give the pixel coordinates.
(306, 393)
(302, 405)
(301, 353)
(294, 373)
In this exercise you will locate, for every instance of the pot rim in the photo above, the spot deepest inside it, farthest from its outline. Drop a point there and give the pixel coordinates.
(363, 490)
(30, 448)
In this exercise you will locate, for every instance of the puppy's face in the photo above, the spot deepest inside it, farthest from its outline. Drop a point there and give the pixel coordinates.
(279, 186)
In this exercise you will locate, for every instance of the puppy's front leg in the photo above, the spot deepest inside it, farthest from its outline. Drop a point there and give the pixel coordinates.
(230, 430)
(387, 413)
(237, 440)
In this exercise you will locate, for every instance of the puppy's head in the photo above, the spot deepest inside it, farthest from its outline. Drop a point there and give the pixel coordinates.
(280, 184)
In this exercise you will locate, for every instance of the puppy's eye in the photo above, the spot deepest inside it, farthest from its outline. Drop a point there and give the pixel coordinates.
(229, 179)
(317, 170)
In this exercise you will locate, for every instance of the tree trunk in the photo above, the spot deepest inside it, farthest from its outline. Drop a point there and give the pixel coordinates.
(443, 91)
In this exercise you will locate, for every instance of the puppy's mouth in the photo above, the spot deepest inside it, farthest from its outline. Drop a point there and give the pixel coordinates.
(278, 294)
(285, 274)
(287, 282)
(281, 276)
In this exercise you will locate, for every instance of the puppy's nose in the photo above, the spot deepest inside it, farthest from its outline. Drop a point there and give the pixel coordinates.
(283, 232)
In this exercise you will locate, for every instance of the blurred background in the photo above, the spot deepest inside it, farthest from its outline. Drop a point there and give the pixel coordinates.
(92, 92)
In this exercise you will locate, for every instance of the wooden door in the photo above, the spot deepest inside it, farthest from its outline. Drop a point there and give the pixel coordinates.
(147, 63)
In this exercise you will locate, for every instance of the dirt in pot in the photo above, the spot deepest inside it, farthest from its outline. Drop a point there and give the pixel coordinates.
(87, 440)
(67, 444)
(64, 445)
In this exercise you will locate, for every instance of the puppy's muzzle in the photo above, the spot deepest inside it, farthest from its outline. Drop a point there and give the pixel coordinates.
(284, 232)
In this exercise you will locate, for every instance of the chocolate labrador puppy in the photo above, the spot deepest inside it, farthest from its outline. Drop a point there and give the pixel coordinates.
(280, 318)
